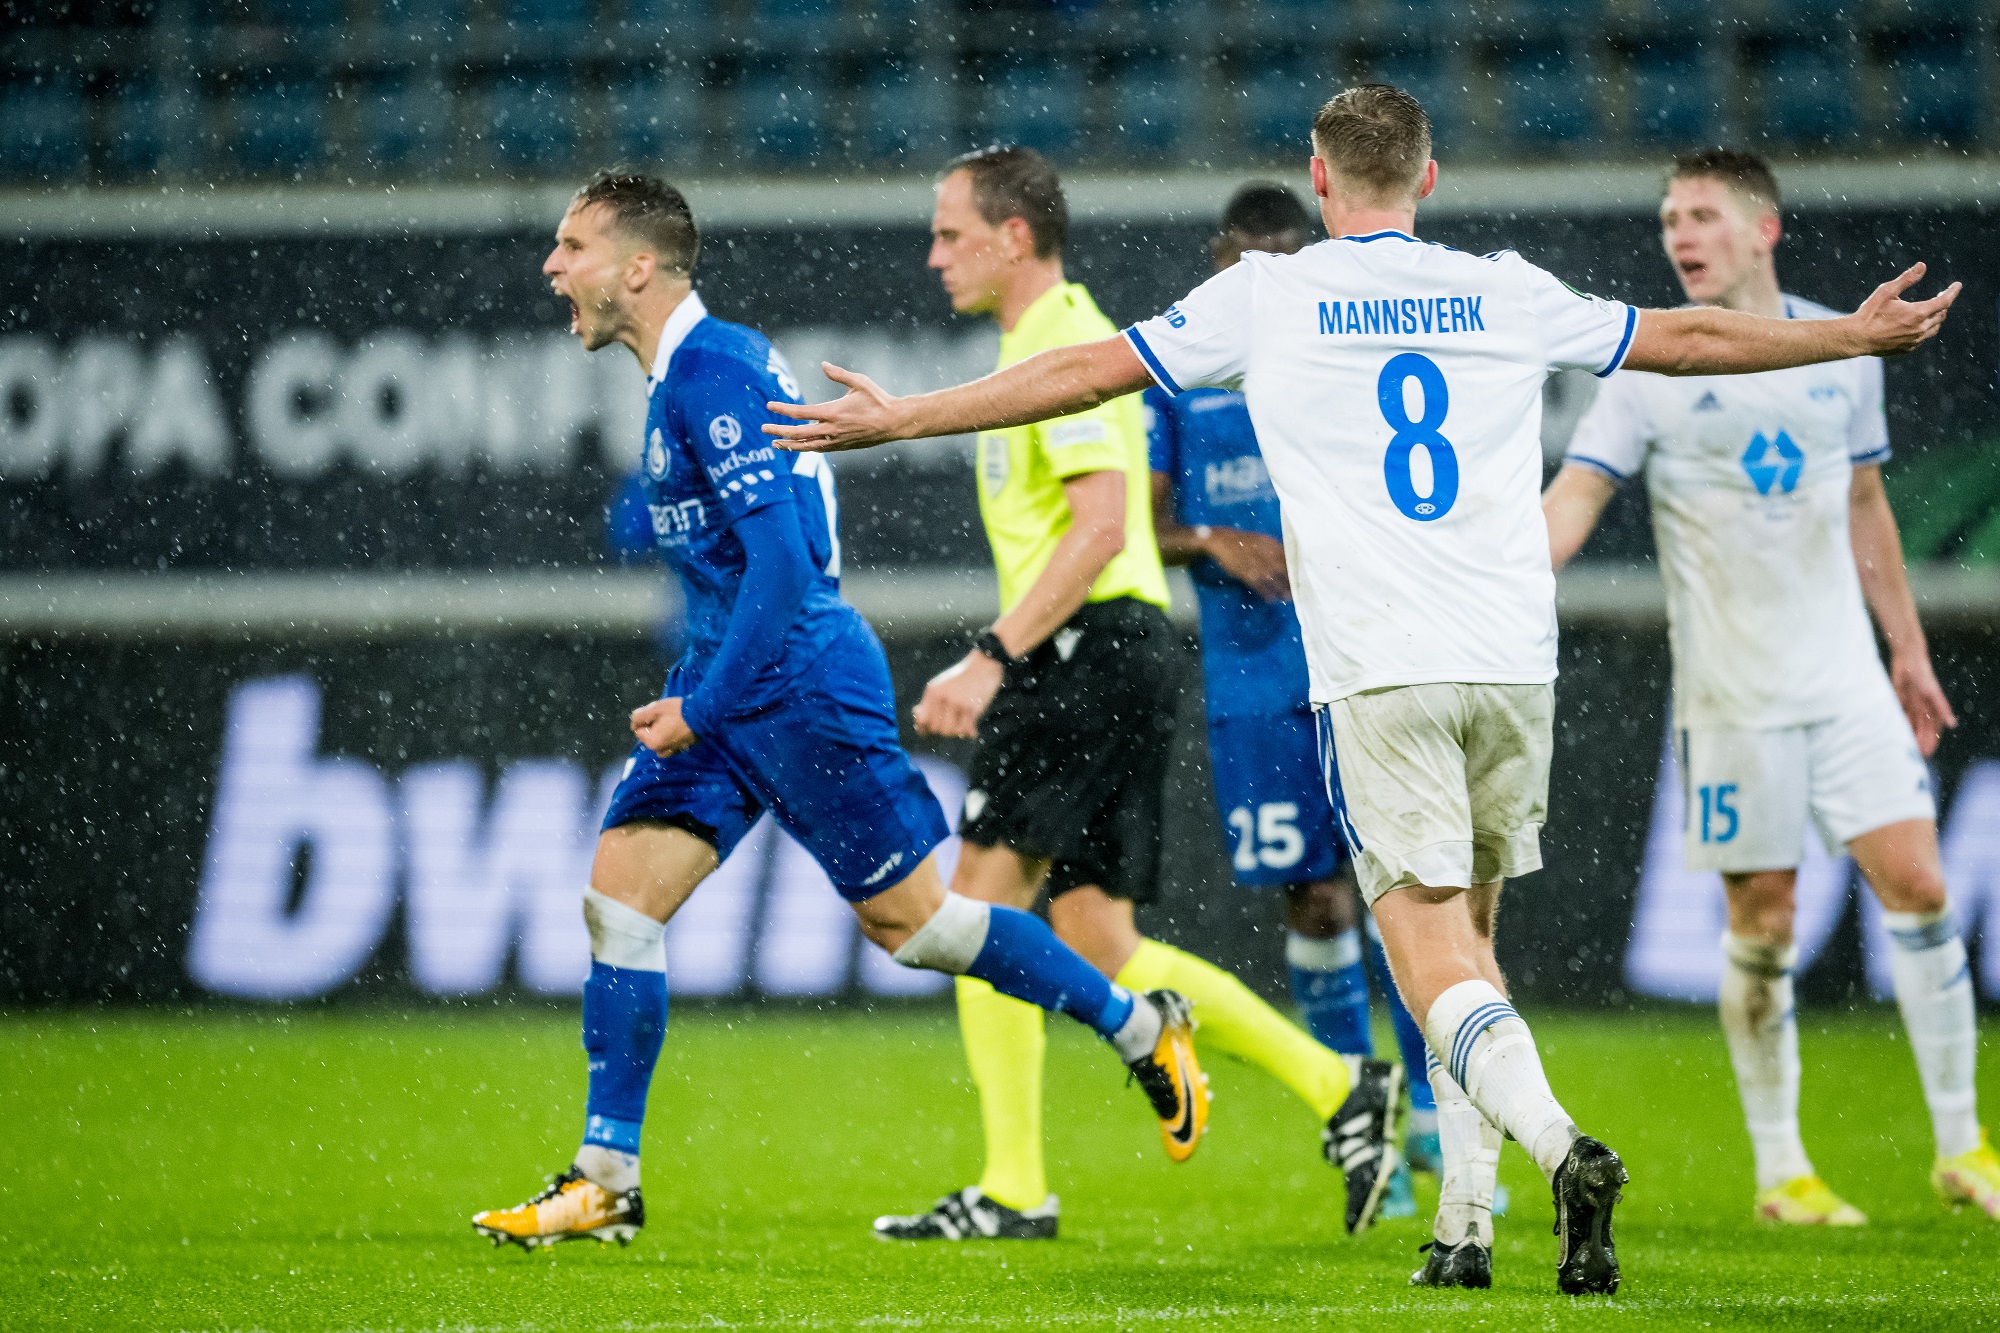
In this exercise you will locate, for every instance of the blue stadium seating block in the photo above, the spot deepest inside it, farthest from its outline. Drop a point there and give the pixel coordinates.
(545, 15)
(1809, 93)
(135, 138)
(534, 120)
(446, 14)
(1672, 97)
(1037, 104)
(656, 117)
(41, 128)
(781, 11)
(1154, 101)
(1548, 97)
(404, 121)
(1278, 104)
(779, 116)
(302, 15)
(906, 115)
(1427, 78)
(1937, 89)
(281, 125)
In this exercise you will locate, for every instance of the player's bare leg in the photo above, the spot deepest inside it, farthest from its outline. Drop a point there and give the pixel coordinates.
(1440, 943)
(1934, 992)
(642, 873)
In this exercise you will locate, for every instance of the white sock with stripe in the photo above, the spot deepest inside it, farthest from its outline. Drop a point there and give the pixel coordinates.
(1470, 1144)
(1763, 1033)
(1933, 984)
(1489, 1052)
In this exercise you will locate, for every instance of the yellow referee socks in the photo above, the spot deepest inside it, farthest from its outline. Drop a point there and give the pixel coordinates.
(1004, 1044)
(1231, 1019)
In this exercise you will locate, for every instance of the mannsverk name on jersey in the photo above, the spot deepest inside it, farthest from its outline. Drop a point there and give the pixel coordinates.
(1402, 315)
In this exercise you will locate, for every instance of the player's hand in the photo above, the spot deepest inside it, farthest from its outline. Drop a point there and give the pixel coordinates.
(866, 415)
(1923, 700)
(956, 697)
(660, 728)
(1889, 326)
(1252, 559)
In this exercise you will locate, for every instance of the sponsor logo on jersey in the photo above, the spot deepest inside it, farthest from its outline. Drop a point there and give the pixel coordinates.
(993, 462)
(725, 432)
(1079, 430)
(1821, 393)
(717, 471)
(882, 871)
(1176, 318)
(656, 455)
(1066, 641)
(1237, 480)
(1773, 462)
(673, 524)
(1708, 402)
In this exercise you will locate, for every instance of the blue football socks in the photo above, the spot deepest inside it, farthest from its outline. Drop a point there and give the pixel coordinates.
(1023, 958)
(624, 1022)
(1330, 987)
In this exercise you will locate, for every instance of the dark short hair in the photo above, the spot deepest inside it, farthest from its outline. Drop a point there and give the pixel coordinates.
(1264, 209)
(1375, 134)
(1011, 182)
(648, 210)
(1744, 172)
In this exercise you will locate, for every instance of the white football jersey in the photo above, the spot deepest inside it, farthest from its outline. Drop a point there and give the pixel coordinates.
(1396, 390)
(1749, 477)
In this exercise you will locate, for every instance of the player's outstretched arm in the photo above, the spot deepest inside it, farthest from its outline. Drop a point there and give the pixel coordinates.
(1571, 506)
(1050, 384)
(1711, 341)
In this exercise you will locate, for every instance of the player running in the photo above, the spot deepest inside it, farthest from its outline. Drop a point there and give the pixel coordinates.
(1071, 697)
(1396, 391)
(1214, 511)
(782, 702)
(1774, 531)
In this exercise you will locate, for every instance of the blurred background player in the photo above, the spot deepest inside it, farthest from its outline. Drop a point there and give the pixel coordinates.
(1071, 695)
(782, 702)
(1427, 601)
(1214, 510)
(1773, 531)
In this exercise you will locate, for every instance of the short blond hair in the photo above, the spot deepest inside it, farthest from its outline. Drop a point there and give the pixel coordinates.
(1377, 136)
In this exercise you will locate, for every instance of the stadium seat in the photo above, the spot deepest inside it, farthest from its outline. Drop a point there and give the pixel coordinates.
(906, 115)
(134, 136)
(1809, 92)
(533, 120)
(404, 119)
(1035, 103)
(1153, 101)
(41, 128)
(1671, 97)
(280, 125)
(1278, 102)
(674, 15)
(1427, 78)
(1937, 91)
(792, 11)
(778, 116)
(547, 15)
(445, 14)
(656, 117)
(1548, 96)
(302, 15)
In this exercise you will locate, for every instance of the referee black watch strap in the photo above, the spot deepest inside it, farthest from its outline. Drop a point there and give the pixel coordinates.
(988, 643)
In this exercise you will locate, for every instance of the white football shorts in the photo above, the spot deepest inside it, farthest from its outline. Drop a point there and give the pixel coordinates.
(1749, 791)
(1444, 785)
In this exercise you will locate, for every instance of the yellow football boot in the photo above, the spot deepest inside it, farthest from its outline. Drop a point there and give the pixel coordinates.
(1806, 1201)
(571, 1208)
(1971, 1177)
(1172, 1078)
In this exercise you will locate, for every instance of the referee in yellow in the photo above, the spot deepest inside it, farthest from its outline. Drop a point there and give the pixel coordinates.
(1071, 696)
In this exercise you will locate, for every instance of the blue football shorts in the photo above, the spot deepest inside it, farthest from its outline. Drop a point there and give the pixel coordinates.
(825, 761)
(1276, 817)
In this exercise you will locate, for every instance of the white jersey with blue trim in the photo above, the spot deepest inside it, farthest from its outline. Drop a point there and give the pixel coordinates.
(1749, 478)
(1396, 389)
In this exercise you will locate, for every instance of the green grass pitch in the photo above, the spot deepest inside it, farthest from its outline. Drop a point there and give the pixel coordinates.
(315, 1171)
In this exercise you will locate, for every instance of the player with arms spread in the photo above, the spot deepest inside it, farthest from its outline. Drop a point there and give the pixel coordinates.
(782, 703)
(1396, 391)
(1070, 694)
(1775, 538)
(1214, 511)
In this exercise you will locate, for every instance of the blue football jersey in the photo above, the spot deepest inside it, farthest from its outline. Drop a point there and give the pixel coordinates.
(1253, 659)
(706, 462)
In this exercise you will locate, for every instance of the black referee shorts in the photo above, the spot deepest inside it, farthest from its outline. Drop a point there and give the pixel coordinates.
(1073, 751)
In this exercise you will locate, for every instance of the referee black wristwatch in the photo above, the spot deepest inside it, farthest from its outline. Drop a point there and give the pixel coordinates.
(988, 644)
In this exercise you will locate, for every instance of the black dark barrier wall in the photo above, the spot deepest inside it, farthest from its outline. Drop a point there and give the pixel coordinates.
(171, 472)
(444, 788)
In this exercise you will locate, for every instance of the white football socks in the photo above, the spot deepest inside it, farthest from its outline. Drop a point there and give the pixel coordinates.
(1763, 1033)
(1470, 1144)
(1140, 1033)
(607, 1167)
(1489, 1052)
(1934, 990)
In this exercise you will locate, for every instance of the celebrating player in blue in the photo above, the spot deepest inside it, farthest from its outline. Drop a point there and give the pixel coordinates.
(1214, 510)
(782, 703)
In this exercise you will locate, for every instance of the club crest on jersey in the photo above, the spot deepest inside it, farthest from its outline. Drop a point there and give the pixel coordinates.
(725, 432)
(656, 456)
(1708, 402)
(1773, 462)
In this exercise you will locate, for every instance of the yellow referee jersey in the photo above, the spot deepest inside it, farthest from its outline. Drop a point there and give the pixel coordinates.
(1022, 468)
